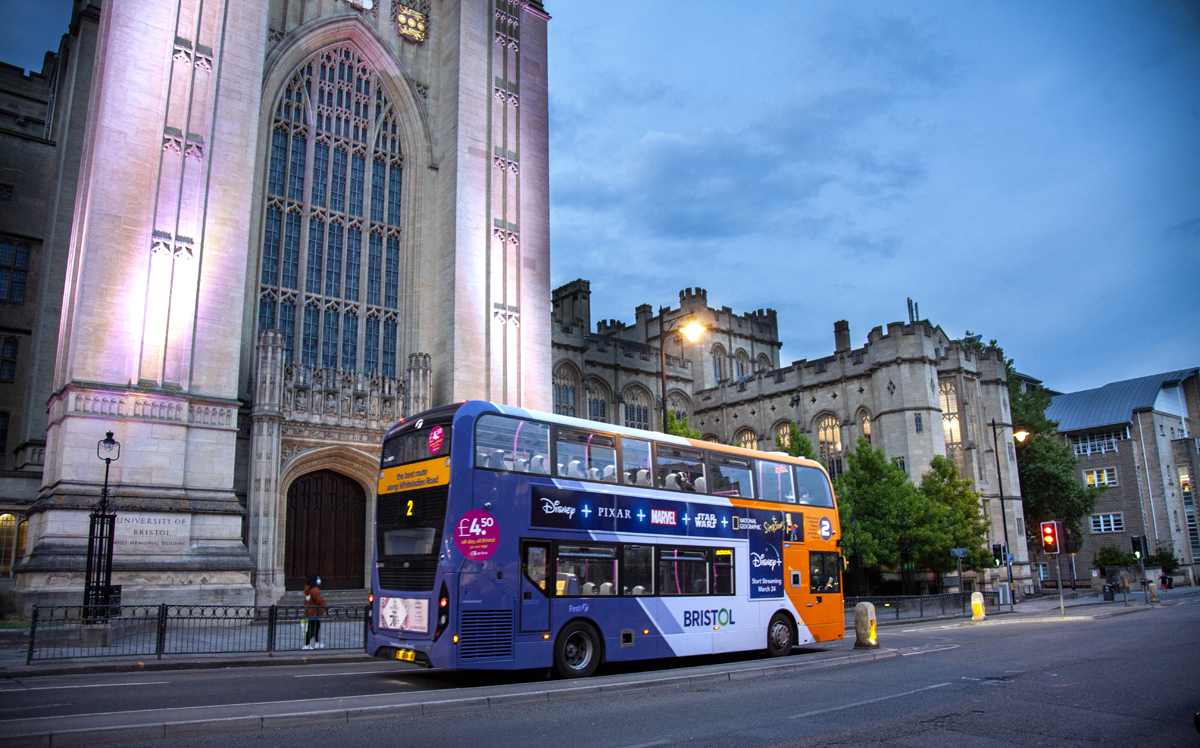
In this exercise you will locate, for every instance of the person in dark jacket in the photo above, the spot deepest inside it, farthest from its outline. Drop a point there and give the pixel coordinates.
(314, 606)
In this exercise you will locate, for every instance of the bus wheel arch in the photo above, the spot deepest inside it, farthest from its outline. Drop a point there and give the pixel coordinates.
(781, 634)
(578, 649)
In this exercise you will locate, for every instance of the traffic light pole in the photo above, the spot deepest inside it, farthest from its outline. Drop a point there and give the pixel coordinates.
(1062, 610)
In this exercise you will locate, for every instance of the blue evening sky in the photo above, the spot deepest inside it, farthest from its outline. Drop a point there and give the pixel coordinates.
(1026, 170)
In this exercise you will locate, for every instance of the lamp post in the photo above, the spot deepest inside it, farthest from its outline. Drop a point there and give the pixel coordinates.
(97, 590)
(692, 329)
(1019, 436)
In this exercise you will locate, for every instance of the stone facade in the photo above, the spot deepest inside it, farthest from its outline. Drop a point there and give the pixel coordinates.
(913, 391)
(262, 233)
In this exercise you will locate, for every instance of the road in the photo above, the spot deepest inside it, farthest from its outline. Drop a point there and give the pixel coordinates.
(1126, 679)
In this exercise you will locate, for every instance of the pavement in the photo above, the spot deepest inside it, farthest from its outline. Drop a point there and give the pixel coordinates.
(12, 658)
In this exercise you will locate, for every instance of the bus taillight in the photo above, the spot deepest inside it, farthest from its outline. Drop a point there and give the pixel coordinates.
(443, 613)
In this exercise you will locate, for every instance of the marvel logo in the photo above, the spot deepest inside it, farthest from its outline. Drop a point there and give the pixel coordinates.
(662, 517)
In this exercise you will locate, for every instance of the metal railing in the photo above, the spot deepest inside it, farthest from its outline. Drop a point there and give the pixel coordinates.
(75, 631)
(899, 607)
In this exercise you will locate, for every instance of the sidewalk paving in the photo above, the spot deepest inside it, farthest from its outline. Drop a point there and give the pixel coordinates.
(12, 659)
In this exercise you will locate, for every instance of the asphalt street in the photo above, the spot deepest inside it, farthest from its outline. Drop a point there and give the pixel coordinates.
(1101, 676)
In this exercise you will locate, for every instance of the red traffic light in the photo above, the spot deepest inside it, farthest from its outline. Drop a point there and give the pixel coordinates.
(1050, 536)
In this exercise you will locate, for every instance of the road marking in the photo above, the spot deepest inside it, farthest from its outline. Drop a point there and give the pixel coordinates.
(360, 672)
(921, 651)
(647, 745)
(34, 706)
(868, 701)
(90, 685)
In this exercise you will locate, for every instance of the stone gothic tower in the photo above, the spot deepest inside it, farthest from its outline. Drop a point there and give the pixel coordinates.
(295, 221)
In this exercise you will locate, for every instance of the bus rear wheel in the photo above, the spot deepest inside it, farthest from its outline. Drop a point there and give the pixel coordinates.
(577, 651)
(779, 636)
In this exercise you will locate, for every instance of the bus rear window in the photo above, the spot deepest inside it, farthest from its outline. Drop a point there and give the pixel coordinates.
(512, 444)
(414, 446)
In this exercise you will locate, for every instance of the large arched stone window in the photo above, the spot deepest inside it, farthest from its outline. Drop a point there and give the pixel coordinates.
(951, 423)
(746, 439)
(331, 260)
(679, 404)
(783, 433)
(742, 364)
(566, 386)
(598, 399)
(864, 424)
(829, 442)
(718, 364)
(637, 408)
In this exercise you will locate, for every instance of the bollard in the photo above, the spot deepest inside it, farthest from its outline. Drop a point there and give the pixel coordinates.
(977, 611)
(1152, 592)
(864, 626)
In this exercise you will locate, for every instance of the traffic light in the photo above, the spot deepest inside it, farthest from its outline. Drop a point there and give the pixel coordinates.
(1138, 543)
(998, 553)
(1052, 537)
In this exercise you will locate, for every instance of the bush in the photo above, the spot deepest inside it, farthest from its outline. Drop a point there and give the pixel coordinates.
(1110, 555)
(1164, 557)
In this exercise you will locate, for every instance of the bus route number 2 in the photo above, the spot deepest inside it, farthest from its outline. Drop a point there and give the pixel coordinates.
(477, 535)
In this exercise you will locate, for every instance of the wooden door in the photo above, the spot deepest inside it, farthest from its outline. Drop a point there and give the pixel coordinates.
(326, 530)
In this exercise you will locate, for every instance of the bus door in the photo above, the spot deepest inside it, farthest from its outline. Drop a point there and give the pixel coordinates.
(795, 564)
(535, 600)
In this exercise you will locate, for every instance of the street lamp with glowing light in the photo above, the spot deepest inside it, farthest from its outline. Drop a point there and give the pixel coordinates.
(691, 329)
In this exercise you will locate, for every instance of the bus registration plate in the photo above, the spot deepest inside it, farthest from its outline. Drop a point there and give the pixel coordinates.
(406, 654)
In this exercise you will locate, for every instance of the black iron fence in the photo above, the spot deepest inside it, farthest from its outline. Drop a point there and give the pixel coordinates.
(162, 630)
(922, 606)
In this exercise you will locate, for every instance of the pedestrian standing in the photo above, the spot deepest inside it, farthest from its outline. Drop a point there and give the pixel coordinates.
(314, 606)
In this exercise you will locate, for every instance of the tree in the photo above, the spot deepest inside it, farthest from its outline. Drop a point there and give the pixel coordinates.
(798, 445)
(1164, 557)
(679, 427)
(965, 525)
(1110, 555)
(882, 512)
(1045, 464)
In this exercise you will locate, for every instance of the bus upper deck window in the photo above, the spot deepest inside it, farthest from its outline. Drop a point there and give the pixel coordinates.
(775, 482)
(583, 455)
(813, 487)
(679, 469)
(635, 462)
(731, 476)
(512, 444)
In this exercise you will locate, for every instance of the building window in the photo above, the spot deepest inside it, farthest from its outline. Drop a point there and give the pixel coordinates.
(864, 424)
(14, 270)
(1189, 510)
(1101, 442)
(565, 385)
(743, 364)
(917, 423)
(3, 437)
(746, 439)
(637, 409)
(8, 360)
(334, 163)
(783, 434)
(1112, 522)
(899, 462)
(597, 401)
(679, 406)
(8, 543)
(951, 423)
(1100, 477)
(829, 443)
(718, 364)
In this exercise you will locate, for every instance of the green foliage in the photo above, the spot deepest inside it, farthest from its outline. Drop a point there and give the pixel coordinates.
(881, 512)
(1046, 466)
(679, 427)
(963, 519)
(1110, 555)
(1164, 557)
(799, 445)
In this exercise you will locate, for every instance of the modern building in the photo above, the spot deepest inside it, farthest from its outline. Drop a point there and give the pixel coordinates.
(910, 389)
(1137, 440)
(250, 237)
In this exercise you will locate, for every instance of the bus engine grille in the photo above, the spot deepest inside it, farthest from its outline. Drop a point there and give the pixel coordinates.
(414, 579)
(486, 633)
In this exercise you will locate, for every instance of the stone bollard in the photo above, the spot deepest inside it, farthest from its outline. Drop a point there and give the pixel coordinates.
(1152, 589)
(864, 626)
(977, 611)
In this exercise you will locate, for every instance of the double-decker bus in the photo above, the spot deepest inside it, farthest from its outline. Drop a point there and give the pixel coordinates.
(510, 539)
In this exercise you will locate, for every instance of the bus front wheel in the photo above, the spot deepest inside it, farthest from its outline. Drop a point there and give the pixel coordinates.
(577, 651)
(779, 636)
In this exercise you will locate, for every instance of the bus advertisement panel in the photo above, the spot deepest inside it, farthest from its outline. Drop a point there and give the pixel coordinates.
(510, 539)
